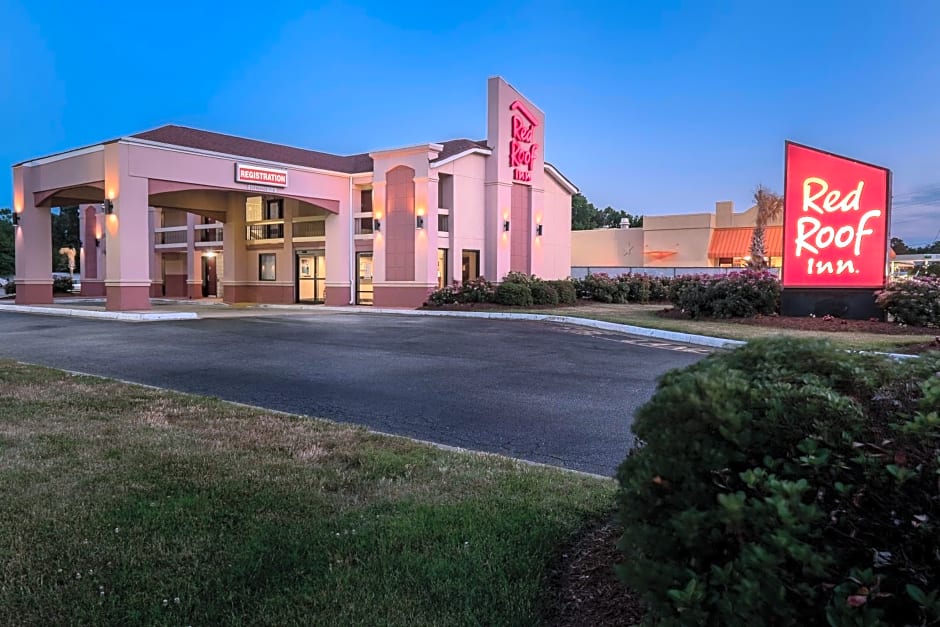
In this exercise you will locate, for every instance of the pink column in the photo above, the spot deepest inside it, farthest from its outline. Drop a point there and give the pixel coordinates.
(127, 277)
(33, 243)
(236, 265)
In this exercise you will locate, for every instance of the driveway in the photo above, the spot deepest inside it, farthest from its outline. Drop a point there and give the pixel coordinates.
(539, 391)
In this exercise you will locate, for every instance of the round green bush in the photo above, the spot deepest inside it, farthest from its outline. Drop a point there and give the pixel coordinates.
(567, 291)
(543, 293)
(787, 483)
(914, 301)
(516, 294)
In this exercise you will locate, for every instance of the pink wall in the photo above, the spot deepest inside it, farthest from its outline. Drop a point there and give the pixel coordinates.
(400, 224)
(519, 233)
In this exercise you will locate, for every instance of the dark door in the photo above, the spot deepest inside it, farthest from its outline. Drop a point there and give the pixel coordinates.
(209, 277)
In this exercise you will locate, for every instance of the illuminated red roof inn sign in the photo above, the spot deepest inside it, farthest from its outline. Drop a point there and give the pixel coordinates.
(522, 147)
(257, 175)
(835, 231)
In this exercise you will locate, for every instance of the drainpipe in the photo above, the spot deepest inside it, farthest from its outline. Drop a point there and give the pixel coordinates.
(352, 248)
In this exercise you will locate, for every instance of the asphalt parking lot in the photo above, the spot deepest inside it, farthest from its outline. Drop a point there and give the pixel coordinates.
(538, 391)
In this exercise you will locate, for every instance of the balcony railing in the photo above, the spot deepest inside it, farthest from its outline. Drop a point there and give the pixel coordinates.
(265, 231)
(304, 227)
(170, 236)
(209, 234)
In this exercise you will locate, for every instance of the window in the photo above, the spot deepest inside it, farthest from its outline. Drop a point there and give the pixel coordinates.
(274, 209)
(725, 262)
(443, 223)
(442, 269)
(365, 201)
(470, 265)
(363, 226)
(445, 191)
(266, 266)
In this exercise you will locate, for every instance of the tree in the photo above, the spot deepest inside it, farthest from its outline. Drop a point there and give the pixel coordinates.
(585, 216)
(65, 234)
(899, 247)
(7, 265)
(769, 208)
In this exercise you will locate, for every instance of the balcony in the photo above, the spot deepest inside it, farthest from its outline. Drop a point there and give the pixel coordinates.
(208, 235)
(268, 231)
(309, 229)
(170, 237)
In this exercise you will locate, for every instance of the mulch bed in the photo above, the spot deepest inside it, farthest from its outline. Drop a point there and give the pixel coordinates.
(822, 323)
(583, 590)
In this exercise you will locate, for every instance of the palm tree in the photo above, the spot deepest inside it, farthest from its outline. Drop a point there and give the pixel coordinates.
(769, 208)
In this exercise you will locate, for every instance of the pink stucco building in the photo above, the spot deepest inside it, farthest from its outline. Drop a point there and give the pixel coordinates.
(188, 213)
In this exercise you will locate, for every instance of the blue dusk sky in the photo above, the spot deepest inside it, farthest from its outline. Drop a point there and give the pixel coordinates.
(652, 107)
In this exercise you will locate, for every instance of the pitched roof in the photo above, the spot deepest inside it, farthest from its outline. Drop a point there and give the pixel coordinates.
(457, 146)
(230, 144)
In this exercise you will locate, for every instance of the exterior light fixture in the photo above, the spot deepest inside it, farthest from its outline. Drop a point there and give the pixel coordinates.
(16, 219)
(376, 225)
(419, 222)
(538, 230)
(108, 206)
(506, 225)
(97, 242)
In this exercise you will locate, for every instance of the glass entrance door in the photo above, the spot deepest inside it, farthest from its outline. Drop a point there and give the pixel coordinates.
(311, 277)
(364, 278)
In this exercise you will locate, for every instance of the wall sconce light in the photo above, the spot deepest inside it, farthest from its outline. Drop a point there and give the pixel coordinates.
(108, 206)
(538, 230)
(97, 242)
(376, 225)
(16, 219)
(419, 222)
(506, 225)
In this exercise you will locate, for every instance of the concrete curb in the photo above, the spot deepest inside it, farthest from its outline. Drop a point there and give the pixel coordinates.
(672, 336)
(124, 316)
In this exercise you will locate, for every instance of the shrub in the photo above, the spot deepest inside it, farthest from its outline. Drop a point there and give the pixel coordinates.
(543, 293)
(521, 278)
(62, 284)
(787, 483)
(914, 301)
(477, 290)
(735, 295)
(600, 287)
(567, 291)
(10, 287)
(446, 295)
(517, 294)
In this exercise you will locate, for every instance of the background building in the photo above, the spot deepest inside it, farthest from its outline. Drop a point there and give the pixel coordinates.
(690, 242)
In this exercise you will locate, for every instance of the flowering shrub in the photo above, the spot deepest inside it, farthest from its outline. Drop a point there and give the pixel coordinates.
(787, 483)
(478, 290)
(625, 288)
(735, 295)
(914, 301)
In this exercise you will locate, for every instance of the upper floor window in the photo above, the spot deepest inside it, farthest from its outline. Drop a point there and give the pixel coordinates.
(365, 201)
(273, 209)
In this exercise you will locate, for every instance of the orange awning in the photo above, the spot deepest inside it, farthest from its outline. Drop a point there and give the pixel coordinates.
(737, 242)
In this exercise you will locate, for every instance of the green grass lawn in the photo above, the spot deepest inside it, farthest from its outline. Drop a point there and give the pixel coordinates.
(645, 316)
(128, 505)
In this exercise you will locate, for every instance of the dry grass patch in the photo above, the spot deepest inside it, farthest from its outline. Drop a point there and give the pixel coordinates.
(128, 505)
